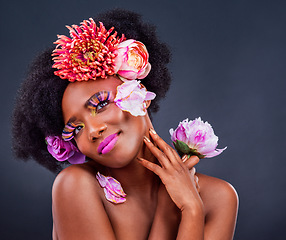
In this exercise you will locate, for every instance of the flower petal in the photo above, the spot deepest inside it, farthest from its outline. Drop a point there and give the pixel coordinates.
(215, 153)
(130, 97)
(142, 74)
(112, 188)
(77, 158)
(112, 198)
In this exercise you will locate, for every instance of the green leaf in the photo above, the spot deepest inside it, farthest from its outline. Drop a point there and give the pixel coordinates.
(182, 147)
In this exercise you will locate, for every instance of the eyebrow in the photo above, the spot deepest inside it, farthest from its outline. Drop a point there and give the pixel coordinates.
(72, 119)
(98, 96)
(88, 101)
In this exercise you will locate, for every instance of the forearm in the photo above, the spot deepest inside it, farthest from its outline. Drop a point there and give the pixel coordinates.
(192, 225)
(170, 223)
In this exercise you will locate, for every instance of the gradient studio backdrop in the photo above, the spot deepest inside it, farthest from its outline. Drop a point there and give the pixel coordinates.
(228, 67)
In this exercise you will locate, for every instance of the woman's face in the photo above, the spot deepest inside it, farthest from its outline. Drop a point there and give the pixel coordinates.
(104, 133)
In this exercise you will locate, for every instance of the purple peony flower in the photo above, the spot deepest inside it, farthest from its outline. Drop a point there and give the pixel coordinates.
(195, 138)
(112, 188)
(64, 150)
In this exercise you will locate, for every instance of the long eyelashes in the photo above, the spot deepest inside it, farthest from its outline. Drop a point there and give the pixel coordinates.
(98, 99)
(94, 103)
(70, 130)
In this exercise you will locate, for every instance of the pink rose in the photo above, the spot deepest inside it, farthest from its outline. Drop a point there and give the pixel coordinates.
(195, 138)
(64, 150)
(131, 97)
(132, 60)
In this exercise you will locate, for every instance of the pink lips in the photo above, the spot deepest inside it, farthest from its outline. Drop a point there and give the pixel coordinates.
(107, 144)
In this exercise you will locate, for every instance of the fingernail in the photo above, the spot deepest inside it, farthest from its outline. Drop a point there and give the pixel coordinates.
(139, 159)
(152, 131)
(147, 139)
(185, 157)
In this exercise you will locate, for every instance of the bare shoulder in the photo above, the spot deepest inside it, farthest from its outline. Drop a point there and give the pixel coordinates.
(217, 190)
(73, 178)
(73, 187)
(77, 205)
(221, 205)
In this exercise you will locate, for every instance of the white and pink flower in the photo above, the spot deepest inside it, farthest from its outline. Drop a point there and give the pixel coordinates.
(195, 138)
(132, 96)
(132, 60)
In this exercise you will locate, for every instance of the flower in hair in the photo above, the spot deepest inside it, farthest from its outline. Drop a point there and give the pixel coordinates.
(88, 54)
(195, 138)
(132, 96)
(94, 52)
(64, 150)
(133, 60)
(112, 188)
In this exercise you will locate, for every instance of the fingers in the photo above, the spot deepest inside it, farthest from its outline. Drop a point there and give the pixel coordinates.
(170, 153)
(193, 171)
(151, 166)
(196, 178)
(191, 161)
(165, 163)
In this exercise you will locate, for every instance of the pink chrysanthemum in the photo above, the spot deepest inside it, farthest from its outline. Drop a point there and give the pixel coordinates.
(88, 54)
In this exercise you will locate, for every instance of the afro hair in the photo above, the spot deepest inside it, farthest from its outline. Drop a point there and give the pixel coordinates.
(38, 112)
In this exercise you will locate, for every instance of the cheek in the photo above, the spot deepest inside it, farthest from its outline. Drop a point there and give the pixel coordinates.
(114, 117)
(134, 129)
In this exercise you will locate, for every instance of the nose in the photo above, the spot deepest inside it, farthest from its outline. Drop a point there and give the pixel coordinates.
(96, 131)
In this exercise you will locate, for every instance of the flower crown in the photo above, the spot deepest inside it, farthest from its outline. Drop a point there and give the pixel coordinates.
(93, 52)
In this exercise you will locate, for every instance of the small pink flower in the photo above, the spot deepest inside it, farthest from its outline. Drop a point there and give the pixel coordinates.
(131, 97)
(195, 138)
(112, 188)
(132, 60)
(64, 150)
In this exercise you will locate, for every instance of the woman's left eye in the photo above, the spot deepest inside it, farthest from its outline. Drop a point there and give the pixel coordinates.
(71, 130)
(101, 105)
(98, 101)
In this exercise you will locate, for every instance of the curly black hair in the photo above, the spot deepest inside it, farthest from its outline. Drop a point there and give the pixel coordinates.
(38, 112)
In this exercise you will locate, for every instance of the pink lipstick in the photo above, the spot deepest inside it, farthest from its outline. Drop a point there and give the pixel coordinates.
(107, 144)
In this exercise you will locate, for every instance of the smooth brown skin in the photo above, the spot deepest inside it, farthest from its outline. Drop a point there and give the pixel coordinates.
(166, 199)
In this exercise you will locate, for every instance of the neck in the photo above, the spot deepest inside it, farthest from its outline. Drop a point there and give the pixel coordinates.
(134, 177)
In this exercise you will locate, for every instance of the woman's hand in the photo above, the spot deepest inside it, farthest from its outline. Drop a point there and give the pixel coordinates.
(181, 184)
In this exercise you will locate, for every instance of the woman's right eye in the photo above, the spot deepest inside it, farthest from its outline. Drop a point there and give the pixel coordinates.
(71, 130)
(77, 129)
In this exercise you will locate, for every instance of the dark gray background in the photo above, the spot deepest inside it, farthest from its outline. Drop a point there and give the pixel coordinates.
(228, 67)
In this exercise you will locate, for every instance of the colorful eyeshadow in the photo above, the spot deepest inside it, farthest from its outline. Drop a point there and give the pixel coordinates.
(68, 132)
(96, 99)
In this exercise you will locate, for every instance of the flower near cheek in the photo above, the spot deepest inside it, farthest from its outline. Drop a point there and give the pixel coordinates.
(131, 96)
(195, 138)
(64, 150)
(132, 60)
(112, 188)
